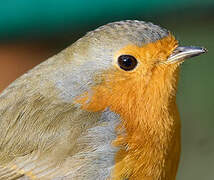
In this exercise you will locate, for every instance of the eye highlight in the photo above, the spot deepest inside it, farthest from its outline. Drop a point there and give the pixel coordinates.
(127, 62)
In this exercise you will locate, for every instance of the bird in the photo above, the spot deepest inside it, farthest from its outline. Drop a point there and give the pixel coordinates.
(104, 108)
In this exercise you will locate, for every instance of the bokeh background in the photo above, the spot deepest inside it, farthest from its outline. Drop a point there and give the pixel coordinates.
(33, 30)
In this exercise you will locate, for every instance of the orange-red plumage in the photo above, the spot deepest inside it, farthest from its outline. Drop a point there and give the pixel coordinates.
(145, 126)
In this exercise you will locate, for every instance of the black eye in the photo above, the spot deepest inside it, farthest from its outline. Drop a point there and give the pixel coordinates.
(127, 62)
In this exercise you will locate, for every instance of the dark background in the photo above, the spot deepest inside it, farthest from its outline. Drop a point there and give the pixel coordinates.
(33, 30)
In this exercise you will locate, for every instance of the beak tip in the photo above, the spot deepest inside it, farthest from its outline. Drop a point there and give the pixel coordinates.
(181, 53)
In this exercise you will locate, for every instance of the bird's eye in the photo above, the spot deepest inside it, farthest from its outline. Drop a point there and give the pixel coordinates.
(127, 62)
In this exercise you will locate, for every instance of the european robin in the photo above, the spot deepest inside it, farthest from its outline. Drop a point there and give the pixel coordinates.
(104, 108)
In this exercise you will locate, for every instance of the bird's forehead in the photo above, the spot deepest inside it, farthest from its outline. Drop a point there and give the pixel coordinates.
(124, 32)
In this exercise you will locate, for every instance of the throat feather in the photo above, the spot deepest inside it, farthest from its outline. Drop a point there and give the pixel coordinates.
(151, 146)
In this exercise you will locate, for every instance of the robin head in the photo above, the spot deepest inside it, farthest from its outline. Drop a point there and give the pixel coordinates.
(122, 65)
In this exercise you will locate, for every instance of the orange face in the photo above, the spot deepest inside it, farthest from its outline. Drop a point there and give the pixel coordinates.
(117, 83)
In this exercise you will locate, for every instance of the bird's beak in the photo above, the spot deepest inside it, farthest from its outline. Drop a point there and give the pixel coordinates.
(182, 53)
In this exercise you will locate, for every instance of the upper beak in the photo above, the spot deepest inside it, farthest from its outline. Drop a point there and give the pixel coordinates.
(182, 53)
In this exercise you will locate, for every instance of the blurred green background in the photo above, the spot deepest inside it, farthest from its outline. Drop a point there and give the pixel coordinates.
(33, 30)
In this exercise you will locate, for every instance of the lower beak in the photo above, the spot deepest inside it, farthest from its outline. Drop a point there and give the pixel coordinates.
(182, 53)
